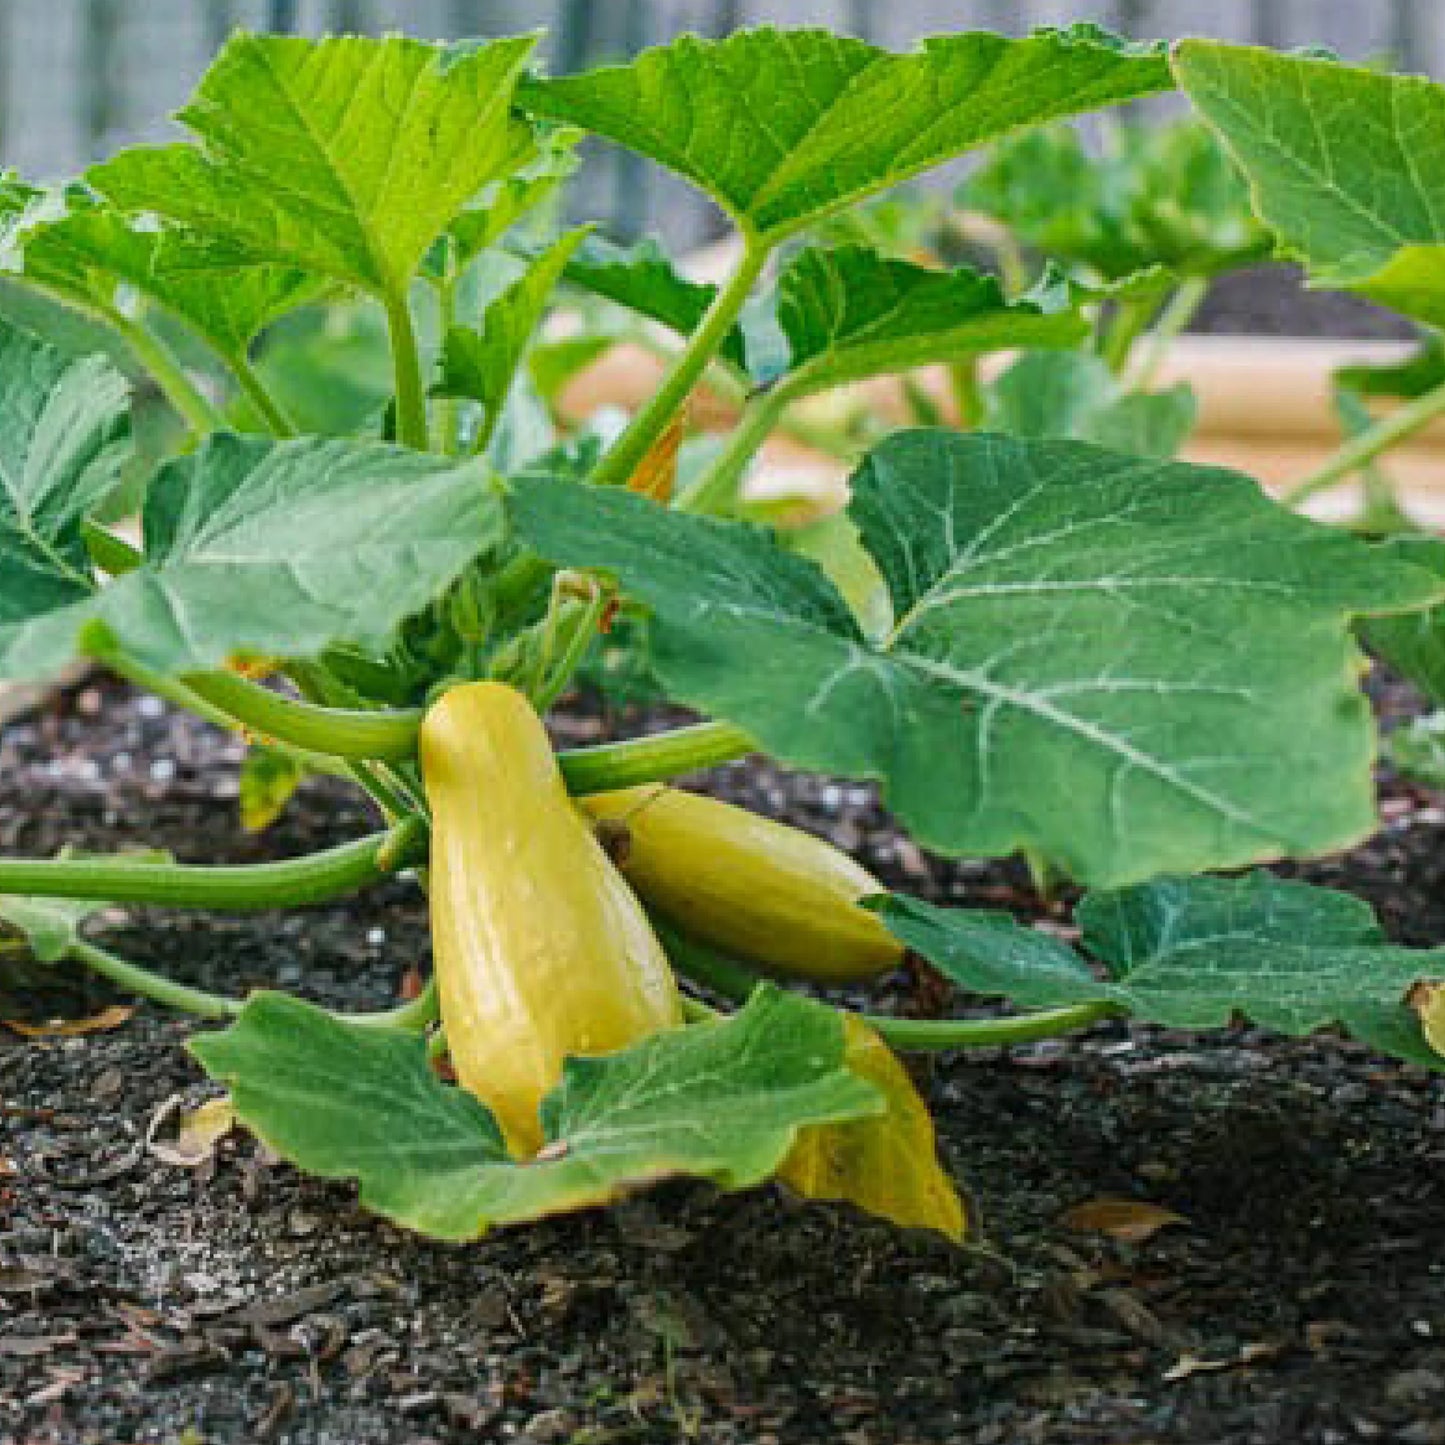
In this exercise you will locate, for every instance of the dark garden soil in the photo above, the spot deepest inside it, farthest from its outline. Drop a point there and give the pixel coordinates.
(1301, 1300)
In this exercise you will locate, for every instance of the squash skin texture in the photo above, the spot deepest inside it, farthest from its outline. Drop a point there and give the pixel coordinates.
(755, 889)
(540, 948)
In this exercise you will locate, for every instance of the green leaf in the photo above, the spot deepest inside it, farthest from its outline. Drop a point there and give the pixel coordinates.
(51, 926)
(276, 548)
(285, 548)
(87, 257)
(642, 278)
(1159, 195)
(849, 313)
(1074, 394)
(1421, 371)
(1414, 642)
(64, 438)
(505, 203)
(368, 150)
(785, 127)
(720, 1101)
(1417, 749)
(1127, 666)
(1195, 953)
(1346, 164)
(481, 365)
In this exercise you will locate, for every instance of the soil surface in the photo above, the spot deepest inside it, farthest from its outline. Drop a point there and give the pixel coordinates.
(1300, 1299)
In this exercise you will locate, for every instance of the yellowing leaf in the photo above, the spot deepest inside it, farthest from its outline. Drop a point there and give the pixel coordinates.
(1428, 1001)
(268, 779)
(887, 1165)
(1131, 1220)
(656, 473)
(198, 1132)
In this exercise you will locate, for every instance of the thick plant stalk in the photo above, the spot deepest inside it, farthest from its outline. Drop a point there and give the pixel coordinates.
(649, 424)
(314, 878)
(734, 982)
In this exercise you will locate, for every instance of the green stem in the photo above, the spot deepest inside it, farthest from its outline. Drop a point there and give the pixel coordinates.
(653, 759)
(1181, 309)
(411, 424)
(716, 491)
(572, 637)
(1130, 319)
(449, 413)
(339, 732)
(649, 424)
(293, 882)
(194, 407)
(413, 1016)
(734, 982)
(1403, 422)
(968, 400)
(176, 692)
(266, 405)
(142, 981)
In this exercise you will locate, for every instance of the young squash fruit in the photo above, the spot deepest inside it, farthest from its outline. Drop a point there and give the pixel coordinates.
(755, 889)
(540, 948)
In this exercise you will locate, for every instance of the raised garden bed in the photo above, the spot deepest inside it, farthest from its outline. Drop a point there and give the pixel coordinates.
(1299, 1299)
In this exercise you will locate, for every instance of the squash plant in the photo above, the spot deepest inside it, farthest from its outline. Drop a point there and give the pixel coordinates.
(1132, 669)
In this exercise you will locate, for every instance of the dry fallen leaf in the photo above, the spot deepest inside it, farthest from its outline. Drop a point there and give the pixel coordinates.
(1130, 1220)
(107, 1019)
(198, 1131)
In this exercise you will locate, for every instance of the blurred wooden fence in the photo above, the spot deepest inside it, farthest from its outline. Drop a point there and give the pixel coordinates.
(78, 78)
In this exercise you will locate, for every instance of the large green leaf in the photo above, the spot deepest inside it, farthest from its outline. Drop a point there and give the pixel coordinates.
(1127, 666)
(849, 312)
(87, 257)
(1195, 953)
(284, 548)
(279, 548)
(64, 437)
(784, 127)
(1347, 164)
(345, 156)
(723, 1101)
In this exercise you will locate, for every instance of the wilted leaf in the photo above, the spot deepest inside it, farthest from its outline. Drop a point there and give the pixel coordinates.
(192, 1135)
(269, 778)
(887, 1165)
(656, 474)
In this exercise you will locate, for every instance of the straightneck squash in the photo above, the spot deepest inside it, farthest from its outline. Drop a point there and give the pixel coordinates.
(763, 892)
(540, 948)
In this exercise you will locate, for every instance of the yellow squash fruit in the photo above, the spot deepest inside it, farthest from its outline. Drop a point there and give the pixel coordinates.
(540, 948)
(755, 889)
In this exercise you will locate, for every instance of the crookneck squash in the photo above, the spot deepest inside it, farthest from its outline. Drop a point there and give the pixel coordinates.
(758, 890)
(540, 948)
